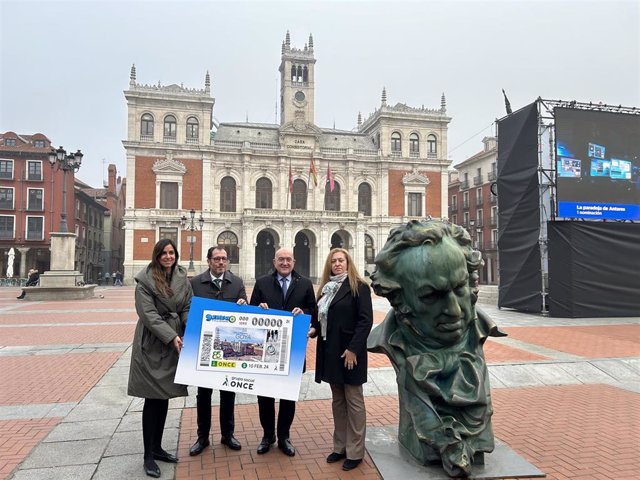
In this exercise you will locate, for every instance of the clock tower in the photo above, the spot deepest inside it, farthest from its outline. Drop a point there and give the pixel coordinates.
(297, 85)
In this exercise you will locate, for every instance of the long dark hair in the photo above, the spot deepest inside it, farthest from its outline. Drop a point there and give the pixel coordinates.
(157, 272)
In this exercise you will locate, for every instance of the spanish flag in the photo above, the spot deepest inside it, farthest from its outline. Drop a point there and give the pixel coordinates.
(313, 172)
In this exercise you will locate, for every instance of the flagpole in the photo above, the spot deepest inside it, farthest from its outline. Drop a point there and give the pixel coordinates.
(288, 186)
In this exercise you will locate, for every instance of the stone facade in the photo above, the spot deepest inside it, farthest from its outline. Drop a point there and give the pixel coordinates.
(473, 205)
(255, 184)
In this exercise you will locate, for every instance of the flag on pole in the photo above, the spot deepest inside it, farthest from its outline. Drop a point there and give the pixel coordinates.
(313, 172)
(330, 178)
(290, 179)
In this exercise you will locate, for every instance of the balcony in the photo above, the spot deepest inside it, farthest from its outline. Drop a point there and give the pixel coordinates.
(169, 139)
(465, 205)
(479, 201)
(492, 245)
(492, 176)
(146, 138)
(432, 155)
(477, 180)
(453, 208)
(464, 185)
(479, 223)
(396, 154)
(493, 220)
(493, 199)
(191, 140)
(414, 154)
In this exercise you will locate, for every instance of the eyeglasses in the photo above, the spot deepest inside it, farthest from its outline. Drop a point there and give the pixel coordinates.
(219, 259)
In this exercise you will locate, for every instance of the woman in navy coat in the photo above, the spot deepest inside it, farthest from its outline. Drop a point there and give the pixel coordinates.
(345, 317)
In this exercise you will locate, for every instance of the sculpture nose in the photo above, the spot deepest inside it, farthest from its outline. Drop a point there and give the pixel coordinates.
(452, 307)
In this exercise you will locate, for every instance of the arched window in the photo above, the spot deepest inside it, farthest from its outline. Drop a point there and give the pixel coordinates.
(332, 199)
(396, 140)
(369, 251)
(228, 194)
(299, 195)
(263, 193)
(414, 143)
(146, 125)
(432, 144)
(299, 79)
(305, 74)
(364, 198)
(229, 241)
(192, 128)
(170, 126)
(293, 73)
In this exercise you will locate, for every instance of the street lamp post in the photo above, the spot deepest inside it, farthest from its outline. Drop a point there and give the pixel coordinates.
(191, 227)
(66, 163)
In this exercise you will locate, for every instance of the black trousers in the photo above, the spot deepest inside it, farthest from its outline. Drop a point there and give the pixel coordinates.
(227, 404)
(154, 415)
(267, 410)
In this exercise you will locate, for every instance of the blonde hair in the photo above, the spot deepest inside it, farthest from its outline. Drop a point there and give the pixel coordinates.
(352, 272)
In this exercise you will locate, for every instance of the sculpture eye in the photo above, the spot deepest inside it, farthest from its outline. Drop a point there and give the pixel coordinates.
(429, 297)
(461, 289)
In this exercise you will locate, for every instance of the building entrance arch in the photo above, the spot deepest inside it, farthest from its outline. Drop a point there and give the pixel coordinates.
(265, 251)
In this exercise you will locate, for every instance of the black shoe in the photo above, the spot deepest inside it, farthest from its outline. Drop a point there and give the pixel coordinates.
(164, 456)
(265, 444)
(287, 447)
(350, 464)
(231, 442)
(335, 457)
(151, 468)
(199, 446)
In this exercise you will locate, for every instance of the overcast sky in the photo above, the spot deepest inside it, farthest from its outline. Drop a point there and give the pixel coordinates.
(64, 65)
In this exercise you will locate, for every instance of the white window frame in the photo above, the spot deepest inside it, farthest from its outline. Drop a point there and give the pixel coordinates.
(28, 200)
(419, 191)
(26, 228)
(13, 198)
(41, 172)
(13, 233)
(13, 168)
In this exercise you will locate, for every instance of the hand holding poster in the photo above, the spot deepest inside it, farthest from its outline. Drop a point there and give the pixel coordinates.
(242, 348)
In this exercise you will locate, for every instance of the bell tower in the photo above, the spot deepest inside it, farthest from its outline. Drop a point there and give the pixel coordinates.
(297, 84)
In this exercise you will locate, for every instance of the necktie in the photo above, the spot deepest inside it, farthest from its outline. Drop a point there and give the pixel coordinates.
(218, 283)
(284, 289)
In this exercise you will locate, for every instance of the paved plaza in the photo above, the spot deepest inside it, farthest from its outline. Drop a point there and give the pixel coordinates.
(566, 395)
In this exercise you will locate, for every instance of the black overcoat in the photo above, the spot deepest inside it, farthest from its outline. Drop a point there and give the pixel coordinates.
(299, 294)
(232, 288)
(349, 322)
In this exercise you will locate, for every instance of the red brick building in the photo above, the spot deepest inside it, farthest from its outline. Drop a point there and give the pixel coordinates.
(472, 205)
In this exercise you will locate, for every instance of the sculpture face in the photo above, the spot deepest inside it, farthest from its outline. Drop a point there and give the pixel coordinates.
(436, 289)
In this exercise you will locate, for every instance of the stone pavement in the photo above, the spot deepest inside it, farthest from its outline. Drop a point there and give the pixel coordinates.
(566, 395)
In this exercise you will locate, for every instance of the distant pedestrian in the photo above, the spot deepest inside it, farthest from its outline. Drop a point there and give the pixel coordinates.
(118, 282)
(113, 278)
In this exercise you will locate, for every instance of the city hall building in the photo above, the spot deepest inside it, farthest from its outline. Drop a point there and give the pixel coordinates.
(255, 187)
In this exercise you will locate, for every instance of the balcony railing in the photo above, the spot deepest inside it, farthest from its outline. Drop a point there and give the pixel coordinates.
(477, 180)
(493, 198)
(492, 176)
(493, 220)
(170, 139)
(146, 138)
(414, 154)
(492, 245)
(464, 185)
(192, 140)
(479, 201)
(465, 205)
(432, 155)
(453, 208)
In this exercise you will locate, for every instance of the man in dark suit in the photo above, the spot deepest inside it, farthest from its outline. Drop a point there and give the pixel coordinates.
(220, 284)
(283, 290)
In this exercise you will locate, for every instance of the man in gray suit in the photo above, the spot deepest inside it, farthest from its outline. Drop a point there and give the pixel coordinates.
(220, 284)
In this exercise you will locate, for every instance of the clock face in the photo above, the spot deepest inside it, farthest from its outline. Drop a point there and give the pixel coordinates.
(299, 96)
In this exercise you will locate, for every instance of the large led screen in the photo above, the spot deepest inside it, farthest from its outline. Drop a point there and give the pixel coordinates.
(598, 164)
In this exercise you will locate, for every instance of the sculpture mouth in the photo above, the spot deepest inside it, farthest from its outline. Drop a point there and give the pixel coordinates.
(450, 326)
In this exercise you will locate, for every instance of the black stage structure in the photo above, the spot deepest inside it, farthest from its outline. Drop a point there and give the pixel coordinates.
(582, 264)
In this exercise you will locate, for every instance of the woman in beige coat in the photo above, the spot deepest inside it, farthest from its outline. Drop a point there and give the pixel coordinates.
(163, 297)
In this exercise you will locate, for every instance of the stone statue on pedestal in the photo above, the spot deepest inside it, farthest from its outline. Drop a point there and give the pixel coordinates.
(433, 336)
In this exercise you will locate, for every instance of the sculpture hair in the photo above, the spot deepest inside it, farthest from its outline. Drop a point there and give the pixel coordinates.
(415, 234)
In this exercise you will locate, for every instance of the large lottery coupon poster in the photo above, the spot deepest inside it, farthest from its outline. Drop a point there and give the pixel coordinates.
(242, 348)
